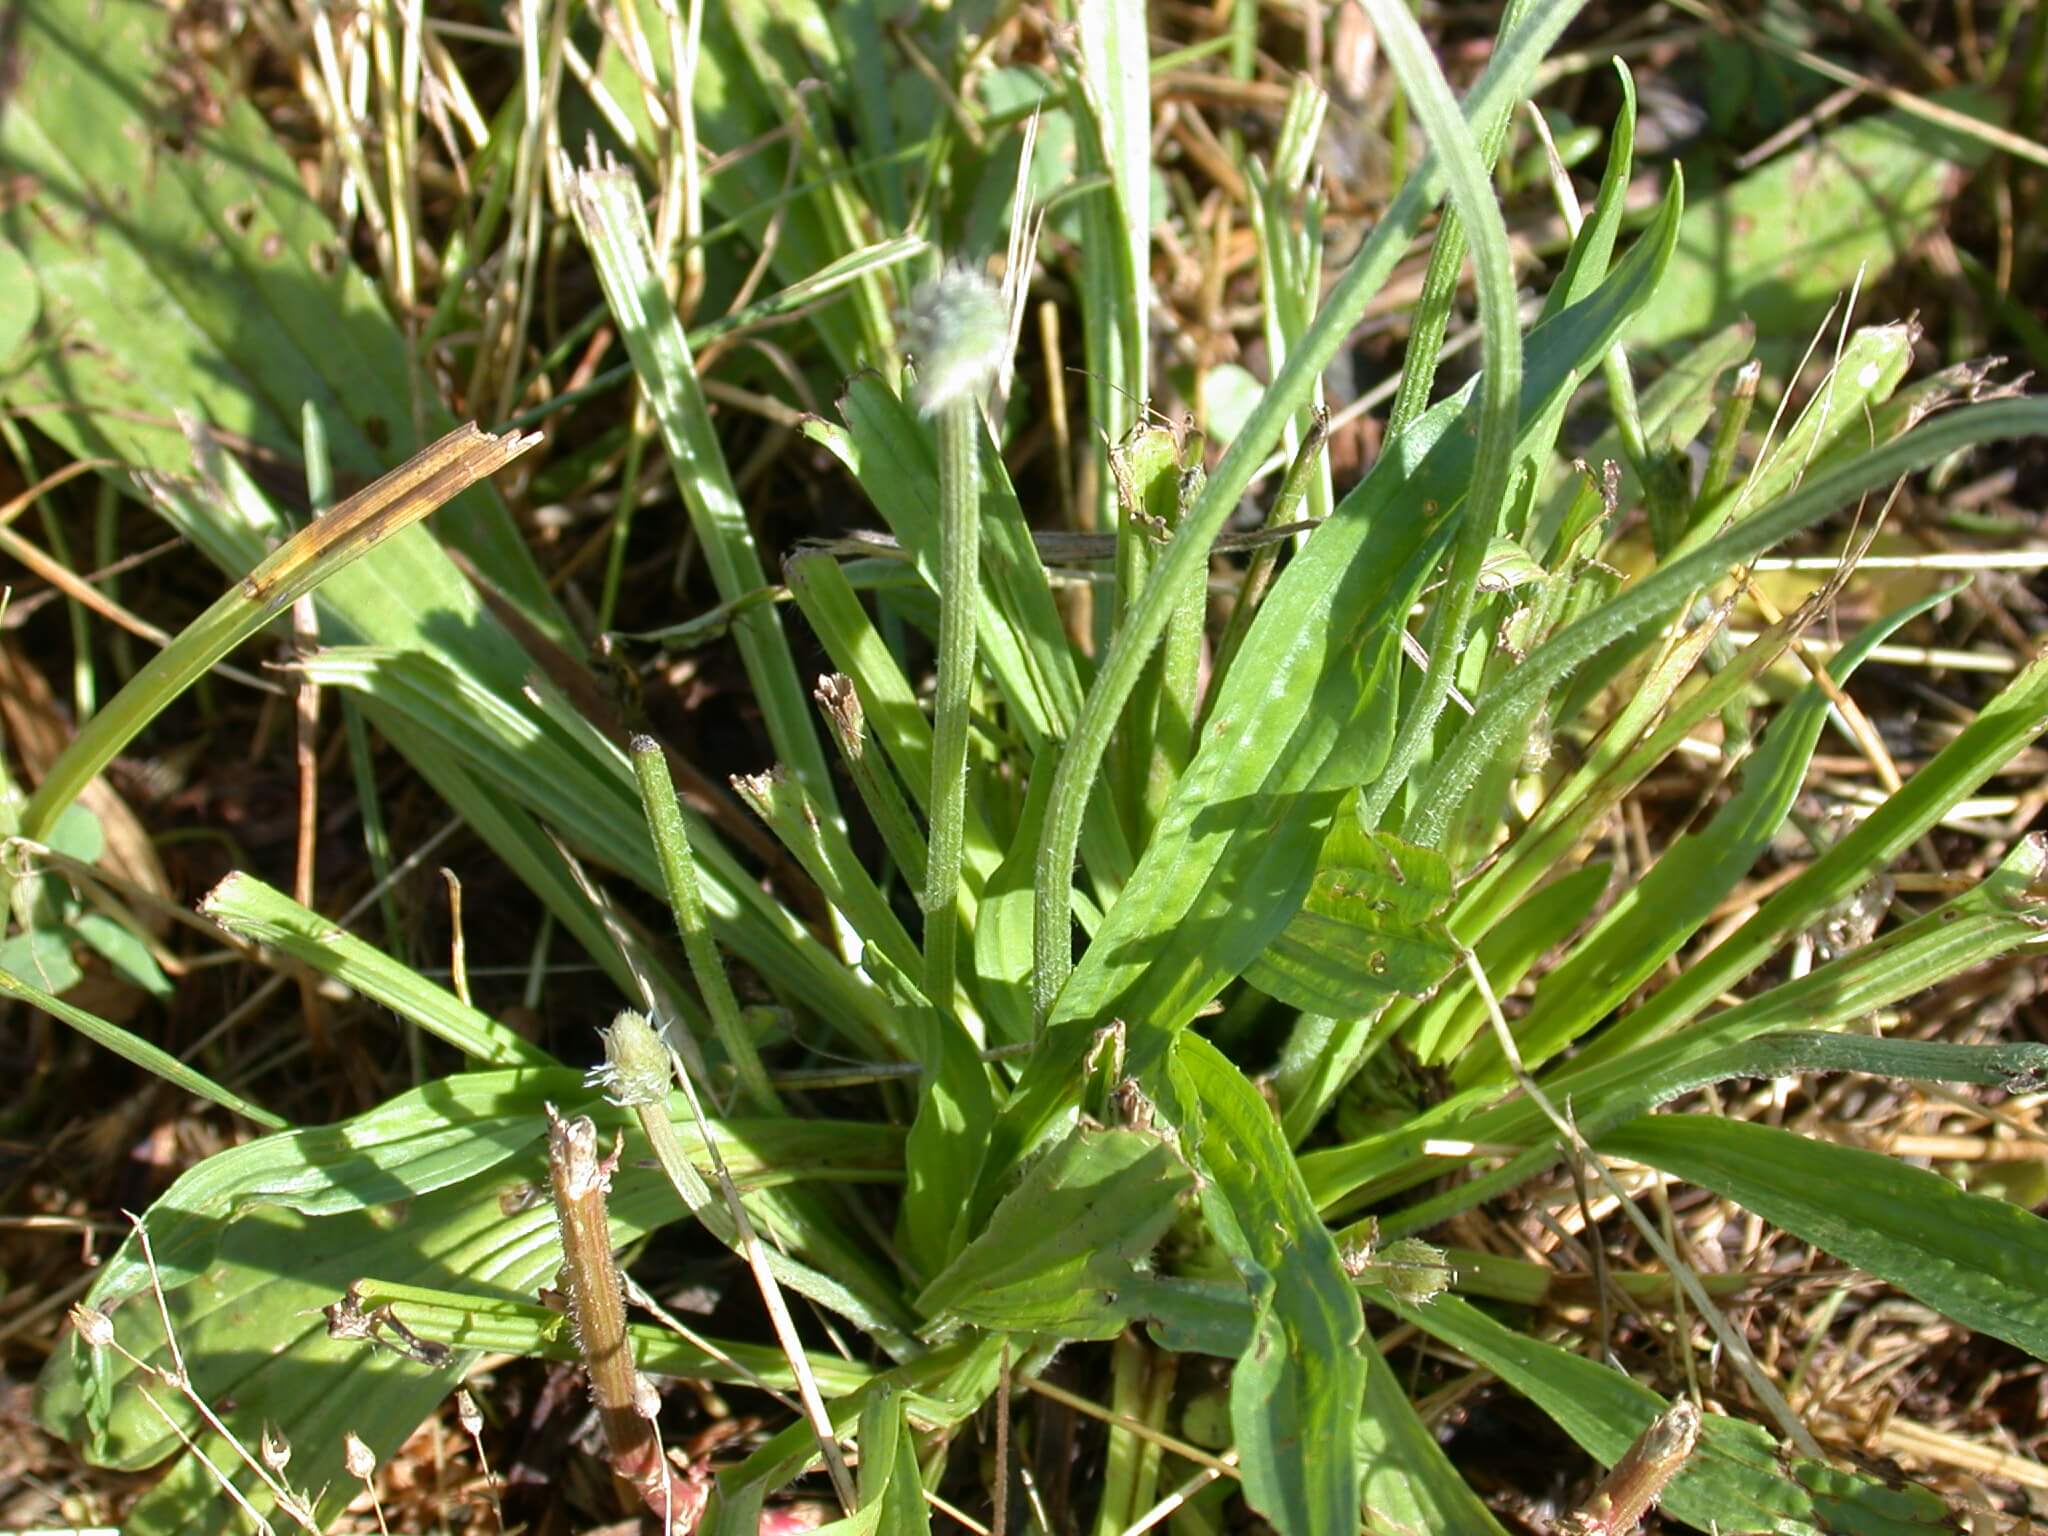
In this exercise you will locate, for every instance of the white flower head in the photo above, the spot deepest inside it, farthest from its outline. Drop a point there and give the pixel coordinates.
(958, 332)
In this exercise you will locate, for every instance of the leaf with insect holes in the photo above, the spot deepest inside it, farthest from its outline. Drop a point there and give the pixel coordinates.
(182, 264)
(1060, 1246)
(1370, 927)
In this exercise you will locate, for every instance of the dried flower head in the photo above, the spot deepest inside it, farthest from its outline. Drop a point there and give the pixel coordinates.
(93, 1325)
(274, 1448)
(958, 333)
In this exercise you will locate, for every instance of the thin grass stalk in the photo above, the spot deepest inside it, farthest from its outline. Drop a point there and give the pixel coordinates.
(1052, 959)
(1432, 314)
(846, 723)
(607, 206)
(959, 426)
(1258, 574)
(828, 859)
(686, 901)
(957, 329)
(1728, 430)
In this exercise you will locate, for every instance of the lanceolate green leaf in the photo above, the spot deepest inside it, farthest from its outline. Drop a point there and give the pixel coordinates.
(1975, 1259)
(1494, 454)
(1736, 1478)
(1821, 493)
(1989, 920)
(249, 909)
(1062, 1247)
(1301, 721)
(1506, 75)
(942, 1159)
(1297, 1389)
(1659, 913)
(1302, 715)
(133, 1048)
(608, 210)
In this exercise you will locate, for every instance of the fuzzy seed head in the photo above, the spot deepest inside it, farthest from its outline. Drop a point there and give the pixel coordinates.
(636, 1064)
(958, 333)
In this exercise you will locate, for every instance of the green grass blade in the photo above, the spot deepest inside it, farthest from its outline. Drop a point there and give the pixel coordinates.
(252, 910)
(1978, 926)
(586, 788)
(1737, 1478)
(130, 1047)
(1658, 914)
(316, 553)
(614, 225)
(1974, 1259)
(1984, 746)
(1821, 493)
(686, 901)
(1432, 313)
(1111, 105)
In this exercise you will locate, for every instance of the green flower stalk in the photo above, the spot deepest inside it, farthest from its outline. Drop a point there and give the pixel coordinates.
(958, 334)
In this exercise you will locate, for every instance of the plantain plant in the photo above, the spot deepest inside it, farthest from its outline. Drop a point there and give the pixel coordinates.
(1201, 971)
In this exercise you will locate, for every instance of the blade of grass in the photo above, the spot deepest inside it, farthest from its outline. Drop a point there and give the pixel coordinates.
(608, 211)
(1974, 1259)
(252, 910)
(352, 529)
(1822, 492)
(686, 901)
(130, 1047)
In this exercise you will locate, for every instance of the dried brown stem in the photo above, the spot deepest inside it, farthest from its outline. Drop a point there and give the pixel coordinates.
(1632, 1489)
(626, 1404)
